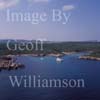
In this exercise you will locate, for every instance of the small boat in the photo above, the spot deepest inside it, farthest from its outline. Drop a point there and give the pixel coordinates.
(59, 59)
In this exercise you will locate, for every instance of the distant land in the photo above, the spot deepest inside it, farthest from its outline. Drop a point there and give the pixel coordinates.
(50, 47)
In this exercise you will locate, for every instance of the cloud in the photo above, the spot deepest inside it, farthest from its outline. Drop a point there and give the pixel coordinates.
(39, 1)
(8, 3)
(68, 7)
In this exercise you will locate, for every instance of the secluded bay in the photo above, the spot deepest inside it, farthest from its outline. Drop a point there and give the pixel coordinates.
(47, 67)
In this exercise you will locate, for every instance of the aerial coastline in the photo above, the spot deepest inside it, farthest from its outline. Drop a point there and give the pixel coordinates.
(57, 50)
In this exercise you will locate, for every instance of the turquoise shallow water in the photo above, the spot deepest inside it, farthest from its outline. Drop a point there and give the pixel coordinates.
(70, 68)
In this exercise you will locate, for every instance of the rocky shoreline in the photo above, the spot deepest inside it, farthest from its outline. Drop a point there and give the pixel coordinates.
(9, 63)
(89, 58)
(49, 54)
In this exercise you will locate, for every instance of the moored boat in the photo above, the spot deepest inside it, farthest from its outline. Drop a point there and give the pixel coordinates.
(59, 59)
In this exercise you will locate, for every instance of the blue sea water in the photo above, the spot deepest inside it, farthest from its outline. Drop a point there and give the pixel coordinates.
(70, 68)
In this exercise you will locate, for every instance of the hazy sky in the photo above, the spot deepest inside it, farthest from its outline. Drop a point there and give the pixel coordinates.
(83, 23)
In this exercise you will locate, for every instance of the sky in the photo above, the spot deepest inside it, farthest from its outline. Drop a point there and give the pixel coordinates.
(82, 25)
